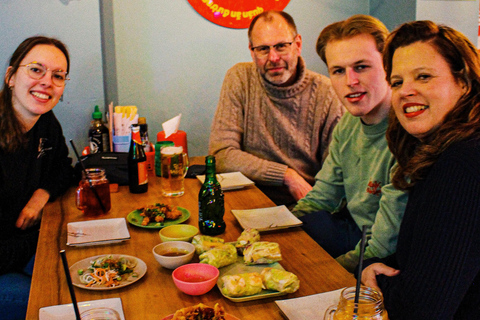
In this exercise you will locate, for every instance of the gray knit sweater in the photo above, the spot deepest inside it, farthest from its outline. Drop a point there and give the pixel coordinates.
(261, 129)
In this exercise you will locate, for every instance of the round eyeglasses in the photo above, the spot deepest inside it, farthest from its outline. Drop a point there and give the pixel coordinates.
(280, 48)
(37, 71)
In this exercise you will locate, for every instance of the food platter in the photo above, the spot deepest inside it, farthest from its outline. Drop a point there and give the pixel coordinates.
(138, 272)
(227, 317)
(136, 219)
(240, 267)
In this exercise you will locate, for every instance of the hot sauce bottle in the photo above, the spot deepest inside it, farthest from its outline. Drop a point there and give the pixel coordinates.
(137, 163)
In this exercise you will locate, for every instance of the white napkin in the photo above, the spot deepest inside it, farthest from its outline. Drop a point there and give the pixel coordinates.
(309, 307)
(171, 126)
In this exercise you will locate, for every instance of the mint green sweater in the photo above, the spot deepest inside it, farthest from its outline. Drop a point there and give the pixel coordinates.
(357, 171)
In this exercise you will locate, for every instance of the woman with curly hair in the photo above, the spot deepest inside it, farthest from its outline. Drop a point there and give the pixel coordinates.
(434, 134)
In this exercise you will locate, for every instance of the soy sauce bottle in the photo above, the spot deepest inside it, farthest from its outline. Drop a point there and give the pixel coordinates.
(137, 163)
(210, 202)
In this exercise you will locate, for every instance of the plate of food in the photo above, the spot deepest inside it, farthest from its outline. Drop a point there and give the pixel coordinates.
(201, 311)
(239, 282)
(158, 216)
(107, 271)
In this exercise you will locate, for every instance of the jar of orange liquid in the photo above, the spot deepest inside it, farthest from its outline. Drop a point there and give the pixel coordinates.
(369, 306)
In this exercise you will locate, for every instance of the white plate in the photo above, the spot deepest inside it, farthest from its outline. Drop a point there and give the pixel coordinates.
(66, 312)
(231, 180)
(140, 270)
(95, 232)
(240, 267)
(265, 219)
(309, 307)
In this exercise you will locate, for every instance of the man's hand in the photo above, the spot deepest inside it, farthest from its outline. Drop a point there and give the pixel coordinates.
(32, 213)
(370, 273)
(297, 186)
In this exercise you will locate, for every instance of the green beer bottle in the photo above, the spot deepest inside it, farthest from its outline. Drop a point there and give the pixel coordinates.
(210, 202)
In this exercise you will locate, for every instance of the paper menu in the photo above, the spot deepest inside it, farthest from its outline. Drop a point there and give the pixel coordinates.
(123, 118)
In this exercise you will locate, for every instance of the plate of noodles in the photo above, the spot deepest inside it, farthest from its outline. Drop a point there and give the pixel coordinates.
(107, 272)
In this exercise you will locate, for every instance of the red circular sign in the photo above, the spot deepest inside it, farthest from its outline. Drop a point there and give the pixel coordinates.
(235, 14)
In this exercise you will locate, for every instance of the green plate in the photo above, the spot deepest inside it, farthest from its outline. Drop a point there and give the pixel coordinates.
(136, 219)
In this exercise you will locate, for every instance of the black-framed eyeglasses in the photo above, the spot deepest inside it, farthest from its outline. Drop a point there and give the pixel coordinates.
(37, 71)
(281, 48)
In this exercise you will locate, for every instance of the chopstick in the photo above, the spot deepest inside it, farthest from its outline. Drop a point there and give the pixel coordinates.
(86, 177)
(70, 285)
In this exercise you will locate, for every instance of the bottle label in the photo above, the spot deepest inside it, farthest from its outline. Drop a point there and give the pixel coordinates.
(142, 173)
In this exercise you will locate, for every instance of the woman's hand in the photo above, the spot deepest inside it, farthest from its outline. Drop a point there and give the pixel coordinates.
(370, 273)
(32, 213)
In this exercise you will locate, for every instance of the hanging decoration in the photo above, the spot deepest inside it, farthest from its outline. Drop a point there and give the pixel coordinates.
(236, 14)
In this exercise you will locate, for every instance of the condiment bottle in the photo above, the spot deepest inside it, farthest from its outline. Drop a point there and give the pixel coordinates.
(211, 206)
(98, 134)
(142, 122)
(137, 163)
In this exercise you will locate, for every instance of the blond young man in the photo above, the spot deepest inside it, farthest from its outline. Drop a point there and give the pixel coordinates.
(353, 188)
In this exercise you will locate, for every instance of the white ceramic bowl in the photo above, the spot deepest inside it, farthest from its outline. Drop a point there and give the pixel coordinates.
(173, 254)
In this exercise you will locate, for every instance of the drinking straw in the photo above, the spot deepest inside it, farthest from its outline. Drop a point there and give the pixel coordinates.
(360, 267)
(86, 176)
(70, 285)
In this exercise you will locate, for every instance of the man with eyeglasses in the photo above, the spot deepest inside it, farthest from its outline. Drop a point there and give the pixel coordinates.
(275, 117)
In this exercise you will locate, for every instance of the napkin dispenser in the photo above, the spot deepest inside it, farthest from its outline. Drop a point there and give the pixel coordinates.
(179, 138)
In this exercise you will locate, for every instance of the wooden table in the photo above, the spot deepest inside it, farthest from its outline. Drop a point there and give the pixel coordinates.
(155, 295)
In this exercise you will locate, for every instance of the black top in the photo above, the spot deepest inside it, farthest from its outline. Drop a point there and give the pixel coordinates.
(43, 163)
(438, 251)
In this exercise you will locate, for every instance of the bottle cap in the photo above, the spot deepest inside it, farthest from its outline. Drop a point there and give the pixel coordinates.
(142, 120)
(97, 114)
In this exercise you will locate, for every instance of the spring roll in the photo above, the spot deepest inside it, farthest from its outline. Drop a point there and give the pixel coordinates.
(279, 280)
(220, 256)
(241, 285)
(247, 237)
(262, 252)
(205, 243)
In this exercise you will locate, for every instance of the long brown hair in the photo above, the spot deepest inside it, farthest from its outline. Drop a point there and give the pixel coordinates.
(12, 134)
(415, 157)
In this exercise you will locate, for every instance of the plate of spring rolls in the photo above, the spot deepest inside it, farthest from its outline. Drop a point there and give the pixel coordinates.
(239, 282)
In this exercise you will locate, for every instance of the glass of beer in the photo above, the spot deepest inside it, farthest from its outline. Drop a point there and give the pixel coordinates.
(174, 166)
(369, 306)
(93, 189)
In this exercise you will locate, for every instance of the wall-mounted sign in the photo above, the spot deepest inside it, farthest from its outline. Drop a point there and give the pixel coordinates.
(235, 14)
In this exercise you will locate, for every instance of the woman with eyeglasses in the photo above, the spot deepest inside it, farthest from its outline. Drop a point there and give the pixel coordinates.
(34, 162)
(434, 73)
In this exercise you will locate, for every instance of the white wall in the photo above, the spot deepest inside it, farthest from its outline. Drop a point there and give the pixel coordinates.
(77, 24)
(167, 59)
(171, 60)
(461, 15)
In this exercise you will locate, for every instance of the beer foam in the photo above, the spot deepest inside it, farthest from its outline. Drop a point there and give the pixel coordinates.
(172, 150)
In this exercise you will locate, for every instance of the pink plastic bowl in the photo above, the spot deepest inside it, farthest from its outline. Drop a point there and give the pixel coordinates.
(195, 278)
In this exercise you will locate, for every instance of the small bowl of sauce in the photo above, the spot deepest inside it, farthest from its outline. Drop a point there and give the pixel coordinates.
(173, 254)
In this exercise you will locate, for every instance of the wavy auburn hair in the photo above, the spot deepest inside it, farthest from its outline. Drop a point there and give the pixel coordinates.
(414, 156)
(12, 134)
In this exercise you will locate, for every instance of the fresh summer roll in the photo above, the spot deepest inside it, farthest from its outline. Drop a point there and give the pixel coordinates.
(280, 280)
(241, 285)
(220, 256)
(205, 243)
(262, 252)
(247, 237)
